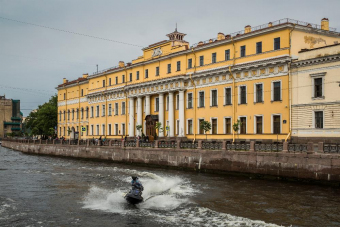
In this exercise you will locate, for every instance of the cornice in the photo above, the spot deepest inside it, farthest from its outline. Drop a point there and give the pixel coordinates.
(72, 85)
(316, 61)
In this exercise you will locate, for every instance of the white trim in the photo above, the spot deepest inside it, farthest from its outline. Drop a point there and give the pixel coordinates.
(231, 95)
(239, 130)
(231, 125)
(272, 122)
(323, 118)
(211, 131)
(317, 76)
(272, 89)
(198, 126)
(255, 126)
(187, 128)
(255, 91)
(239, 93)
(211, 90)
(198, 100)
(192, 100)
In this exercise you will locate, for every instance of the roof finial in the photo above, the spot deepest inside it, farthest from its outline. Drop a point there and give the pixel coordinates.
(176, 27)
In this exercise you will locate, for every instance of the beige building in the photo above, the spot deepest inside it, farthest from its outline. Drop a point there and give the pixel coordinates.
(10, 116)
(315, 94)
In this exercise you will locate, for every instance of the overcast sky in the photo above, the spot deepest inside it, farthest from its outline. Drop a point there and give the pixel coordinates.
(34, 60)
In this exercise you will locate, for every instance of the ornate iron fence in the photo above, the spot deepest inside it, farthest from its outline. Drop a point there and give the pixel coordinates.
(129, 143)
(238, 146)
(270, 147)
(331, 148)
(212, 145)
(105, 142)
(188, 145)
(82, 142)
(116, 143)
(74, 142)
(167, 144)
(297, 147)
(64, 142)
(147, 144)
(57, 141)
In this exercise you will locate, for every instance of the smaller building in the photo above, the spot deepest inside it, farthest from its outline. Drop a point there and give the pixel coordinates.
(315, 94)
(10, 117)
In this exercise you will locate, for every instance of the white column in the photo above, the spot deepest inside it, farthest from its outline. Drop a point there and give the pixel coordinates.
(161, 114)
(139, 114)
(131, 117)
(147, 109)
(171, 114)
(181, 114)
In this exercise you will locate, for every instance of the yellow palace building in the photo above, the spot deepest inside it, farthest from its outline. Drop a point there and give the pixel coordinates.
(238, 77)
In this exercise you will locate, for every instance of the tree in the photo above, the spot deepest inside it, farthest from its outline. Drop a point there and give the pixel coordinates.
(43, 120)
(139, 127)
(158, 127)
(236, 126)
(205, 126)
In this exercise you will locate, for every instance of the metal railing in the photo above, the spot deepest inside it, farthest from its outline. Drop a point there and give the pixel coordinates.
(130, 143)
(331, 148)
(238, 146)
(297, 147)
(272, 147)
(212, 145)
(147, 144)
(188, 145)
(167, 144)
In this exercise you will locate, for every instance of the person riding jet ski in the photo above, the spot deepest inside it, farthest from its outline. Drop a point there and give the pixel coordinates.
(134, 196)
(136, 183)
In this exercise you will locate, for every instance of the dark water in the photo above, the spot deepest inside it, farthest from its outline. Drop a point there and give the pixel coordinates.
(50, 191)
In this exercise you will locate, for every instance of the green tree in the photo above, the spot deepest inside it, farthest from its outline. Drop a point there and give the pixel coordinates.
(205, 126)
(139, 127)
(43, 120)
(159, 127)
(236, 126)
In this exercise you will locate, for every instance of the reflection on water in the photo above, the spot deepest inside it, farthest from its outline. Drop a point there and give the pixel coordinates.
(50, 191)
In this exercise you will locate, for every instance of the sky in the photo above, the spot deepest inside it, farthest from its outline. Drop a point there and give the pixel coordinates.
(35, 55)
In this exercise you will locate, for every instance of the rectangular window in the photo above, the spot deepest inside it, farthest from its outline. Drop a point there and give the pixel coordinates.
(92, 114)
(123, 108)
(103, 83)
(201, 99)
(277, 43)
(201, 60)
(60, 116)
(64, 115)
(277, 91)
(82, 92)
(68, 115)
(130, 77)
(227, 125)
(59, 131)
(169, 68)
(201, 131)
(137, 75)
(259, 125)
(317, 87)
(243, 51)
(92, 133)
(116, 79)
(109, 81)
(190, 127)
(123, 78)
(103, 129)
(276, 124)
(157, 71)
(110, 110)
(116, 129)
(259, 47)
(213, 58)
(103, 110)
(318, 119)
(214, 126)
(123, 129)
(227, 55)
(178, 66)
(97, 130)
(243, 94)
(177, 102)
(109, 129)
(189, 64)
(87, 130)
(72, 114)
(146, 73)
(189, 105)
(87, 112)
(157, 104)
(177, 127)
(116, 108)
(259, 91)
(243, 126)
(97, 111)
(214, 98)
(228, 96)
(64, 96)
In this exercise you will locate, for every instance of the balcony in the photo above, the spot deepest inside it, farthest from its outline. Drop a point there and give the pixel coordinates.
(15, 129)
(12, 123)
(15, 118)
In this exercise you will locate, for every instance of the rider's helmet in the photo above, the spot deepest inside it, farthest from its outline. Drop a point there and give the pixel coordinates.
(134, 178)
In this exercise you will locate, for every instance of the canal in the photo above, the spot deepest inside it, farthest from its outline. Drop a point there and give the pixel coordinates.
(51, 191)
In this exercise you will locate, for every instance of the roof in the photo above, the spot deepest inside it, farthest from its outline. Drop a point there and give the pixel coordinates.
(80, 79)
(306, 50)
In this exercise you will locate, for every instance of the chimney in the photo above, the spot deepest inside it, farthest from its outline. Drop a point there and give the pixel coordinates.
(210, 40)
(220, 36)
(200, 43)
(228, 36)
(247, 29)
(128, 64)
(85, 75)
(325, 24)
(121, 64)
(64, 80)
(270, 24)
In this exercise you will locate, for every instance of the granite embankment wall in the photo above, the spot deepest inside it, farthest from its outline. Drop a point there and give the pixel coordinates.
(309, 166)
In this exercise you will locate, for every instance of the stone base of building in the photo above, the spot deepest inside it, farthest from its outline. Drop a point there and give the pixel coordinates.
(328, 140)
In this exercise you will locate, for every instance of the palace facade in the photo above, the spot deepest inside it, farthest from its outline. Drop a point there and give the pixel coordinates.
(238, 77)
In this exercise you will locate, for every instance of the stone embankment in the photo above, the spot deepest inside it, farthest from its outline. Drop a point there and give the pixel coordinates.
(309, 165)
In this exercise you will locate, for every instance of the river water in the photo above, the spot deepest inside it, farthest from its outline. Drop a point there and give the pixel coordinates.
(52, 191)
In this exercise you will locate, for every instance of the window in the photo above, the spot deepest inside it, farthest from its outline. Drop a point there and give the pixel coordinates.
(157, 71)
(64, 115)
(123, 129)
(103, 129)
(92, 114)
(97, 130)
(123, 78)
(318, 88)
(109, 129)
(201, 99)
(318, 119)
(177, 127)
(87, 130)
(82, 92)
(146, 73)
(92, 130)
(213, 58)
(64, 131)
(169, 68)
(87, 112)
(103, 111)
(189, 64)
(156, 104)
(259, 93)
(103, 83)
(59, 131)
(82, 113)
(64, 96)
(243, 95)
(277, 43)
(201, 131)
(116, 108)
(243, 126)
(116, 79)
(123, 108)
(189, 104)
(259, 125)
(60, 116)
(68, 115)
(214, 126)
(130, 77)
(109, 81)
(190, 127)
(276, 124)
(259, 47)
(72, 114)
(201, 60)
(110, 110)
(227, 125)
(227, 55)
(177, 102)
(227, 96)
(243, 51)
(213, 97)
(167, 102)
(178, 66)
(137, 75)
(277, 91)
(116, 129)
(97, 111)
(77, 114)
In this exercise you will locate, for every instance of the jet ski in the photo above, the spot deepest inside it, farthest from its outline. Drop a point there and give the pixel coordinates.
(134, 196)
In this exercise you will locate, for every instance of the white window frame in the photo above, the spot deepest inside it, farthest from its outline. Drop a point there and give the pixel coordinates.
(198, 100)
(187, 128)
(116, 132)
(97, 111)
(239, 94)
(192, 100)
(123, 109)
(255, 126)
(323, 118)
(239, 118)
(317, 76)
(211, 130)
(198, 126)
(109, 129)
(109, 110)
(116, 108)
(255, 92)
(103, 110)
(231, 125)
(123, 131)
(92, 111)
(224, 96)
(272, 122)
(211, 90)
(272, 90)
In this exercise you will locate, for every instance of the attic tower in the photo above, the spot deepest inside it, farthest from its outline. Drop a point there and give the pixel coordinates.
(177, 38)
